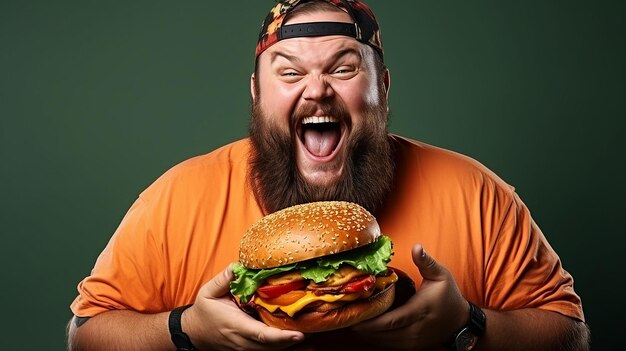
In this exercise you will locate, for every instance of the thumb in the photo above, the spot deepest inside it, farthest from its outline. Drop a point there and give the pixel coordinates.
(219, 285)
(428, 267)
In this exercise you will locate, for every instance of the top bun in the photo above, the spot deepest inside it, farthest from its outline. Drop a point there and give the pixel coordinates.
(307, 231)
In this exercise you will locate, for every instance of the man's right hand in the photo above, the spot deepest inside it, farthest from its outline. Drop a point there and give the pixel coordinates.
(215, 322)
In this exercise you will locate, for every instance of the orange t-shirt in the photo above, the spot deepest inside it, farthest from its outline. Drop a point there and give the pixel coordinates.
(185, 228)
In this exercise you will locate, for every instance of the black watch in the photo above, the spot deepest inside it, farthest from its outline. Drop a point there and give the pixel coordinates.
(179, 338)
(466, 338)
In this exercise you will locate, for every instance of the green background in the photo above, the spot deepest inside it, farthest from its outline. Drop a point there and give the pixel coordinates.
(98, 98)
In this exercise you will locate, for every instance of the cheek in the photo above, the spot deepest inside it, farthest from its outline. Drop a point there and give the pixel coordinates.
(279, 100)
(275, 115)
(273, 107)
(361, 96)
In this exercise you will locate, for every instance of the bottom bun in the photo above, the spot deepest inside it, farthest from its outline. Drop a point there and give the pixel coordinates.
(318, 321)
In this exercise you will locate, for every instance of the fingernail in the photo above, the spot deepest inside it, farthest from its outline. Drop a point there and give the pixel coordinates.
(423, 253)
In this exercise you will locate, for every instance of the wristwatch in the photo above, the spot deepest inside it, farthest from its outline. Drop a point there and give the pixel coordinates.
(179, 338)
(465, 339)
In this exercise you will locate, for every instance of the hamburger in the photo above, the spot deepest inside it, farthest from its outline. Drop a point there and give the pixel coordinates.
(315, 267)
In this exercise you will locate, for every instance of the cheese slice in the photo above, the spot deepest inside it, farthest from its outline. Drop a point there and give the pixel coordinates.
(310, 297)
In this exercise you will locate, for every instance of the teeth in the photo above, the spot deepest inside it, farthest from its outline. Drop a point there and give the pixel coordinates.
(319, 119)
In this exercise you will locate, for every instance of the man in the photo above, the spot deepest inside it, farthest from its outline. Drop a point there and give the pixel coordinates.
(318, 131)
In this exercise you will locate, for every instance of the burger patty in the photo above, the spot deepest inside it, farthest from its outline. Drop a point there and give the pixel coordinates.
(318, 306)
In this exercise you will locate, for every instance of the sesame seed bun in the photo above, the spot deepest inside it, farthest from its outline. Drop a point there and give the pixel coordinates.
(307, 231)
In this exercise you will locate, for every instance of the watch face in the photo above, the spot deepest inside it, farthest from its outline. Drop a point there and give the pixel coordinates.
(465, 340)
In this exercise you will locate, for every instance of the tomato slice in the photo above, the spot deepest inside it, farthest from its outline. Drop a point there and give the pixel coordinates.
(272, 291)
(359, 285)
(287, 298)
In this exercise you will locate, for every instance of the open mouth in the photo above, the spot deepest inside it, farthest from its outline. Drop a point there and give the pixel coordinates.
(321, 135)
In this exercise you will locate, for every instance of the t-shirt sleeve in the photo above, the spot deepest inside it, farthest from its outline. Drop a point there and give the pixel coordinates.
(128, 274)
(523, 271)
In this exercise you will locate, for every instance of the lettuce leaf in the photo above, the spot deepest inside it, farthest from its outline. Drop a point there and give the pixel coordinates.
(248, 280)
(372, 258)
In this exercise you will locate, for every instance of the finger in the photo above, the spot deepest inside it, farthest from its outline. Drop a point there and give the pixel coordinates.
(259, 335)
(220, 284)
(274, 336)
(428, 267)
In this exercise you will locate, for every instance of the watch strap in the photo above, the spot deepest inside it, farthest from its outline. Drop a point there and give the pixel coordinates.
(475, 326)
(179, 338)
(477, 321)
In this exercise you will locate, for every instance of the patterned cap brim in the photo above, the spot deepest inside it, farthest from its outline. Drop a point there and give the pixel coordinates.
(364, 29)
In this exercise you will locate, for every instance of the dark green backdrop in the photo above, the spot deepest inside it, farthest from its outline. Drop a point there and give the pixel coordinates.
(98, 98)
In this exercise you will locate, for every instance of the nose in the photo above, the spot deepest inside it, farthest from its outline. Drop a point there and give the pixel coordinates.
(317, 88)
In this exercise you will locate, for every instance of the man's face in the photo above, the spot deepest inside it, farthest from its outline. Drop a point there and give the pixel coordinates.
(321, 96)
(299, 78)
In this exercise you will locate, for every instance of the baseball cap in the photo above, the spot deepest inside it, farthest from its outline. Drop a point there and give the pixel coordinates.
(364, 27)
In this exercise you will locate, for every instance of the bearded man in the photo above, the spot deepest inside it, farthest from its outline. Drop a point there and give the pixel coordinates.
(318, 131)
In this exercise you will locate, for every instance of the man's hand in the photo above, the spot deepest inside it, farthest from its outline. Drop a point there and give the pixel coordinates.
(428, 319)
(215, 322)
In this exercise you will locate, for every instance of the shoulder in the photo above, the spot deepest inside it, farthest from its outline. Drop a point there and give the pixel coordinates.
(203, 171)
(230, 155)
(442, 167)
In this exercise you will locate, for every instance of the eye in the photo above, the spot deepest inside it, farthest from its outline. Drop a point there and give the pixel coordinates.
(290, 75)
(345, 72)
(343, 69)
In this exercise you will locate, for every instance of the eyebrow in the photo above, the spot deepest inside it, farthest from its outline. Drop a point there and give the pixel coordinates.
(287, 56)
(294, 58)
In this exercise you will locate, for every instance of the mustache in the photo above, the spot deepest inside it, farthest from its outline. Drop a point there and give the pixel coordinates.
(335, 109)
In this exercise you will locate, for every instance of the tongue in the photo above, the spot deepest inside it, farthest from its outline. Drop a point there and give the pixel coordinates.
(321, 142)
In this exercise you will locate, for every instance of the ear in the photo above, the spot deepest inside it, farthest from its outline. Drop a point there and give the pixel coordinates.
(252, 89)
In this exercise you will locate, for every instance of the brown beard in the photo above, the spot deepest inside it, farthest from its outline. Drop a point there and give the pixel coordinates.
(366, 179)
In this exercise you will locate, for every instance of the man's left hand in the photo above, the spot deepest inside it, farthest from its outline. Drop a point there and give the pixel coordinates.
(428, 319)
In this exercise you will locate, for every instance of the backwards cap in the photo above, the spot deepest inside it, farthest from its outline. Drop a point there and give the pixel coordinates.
(364, 27)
